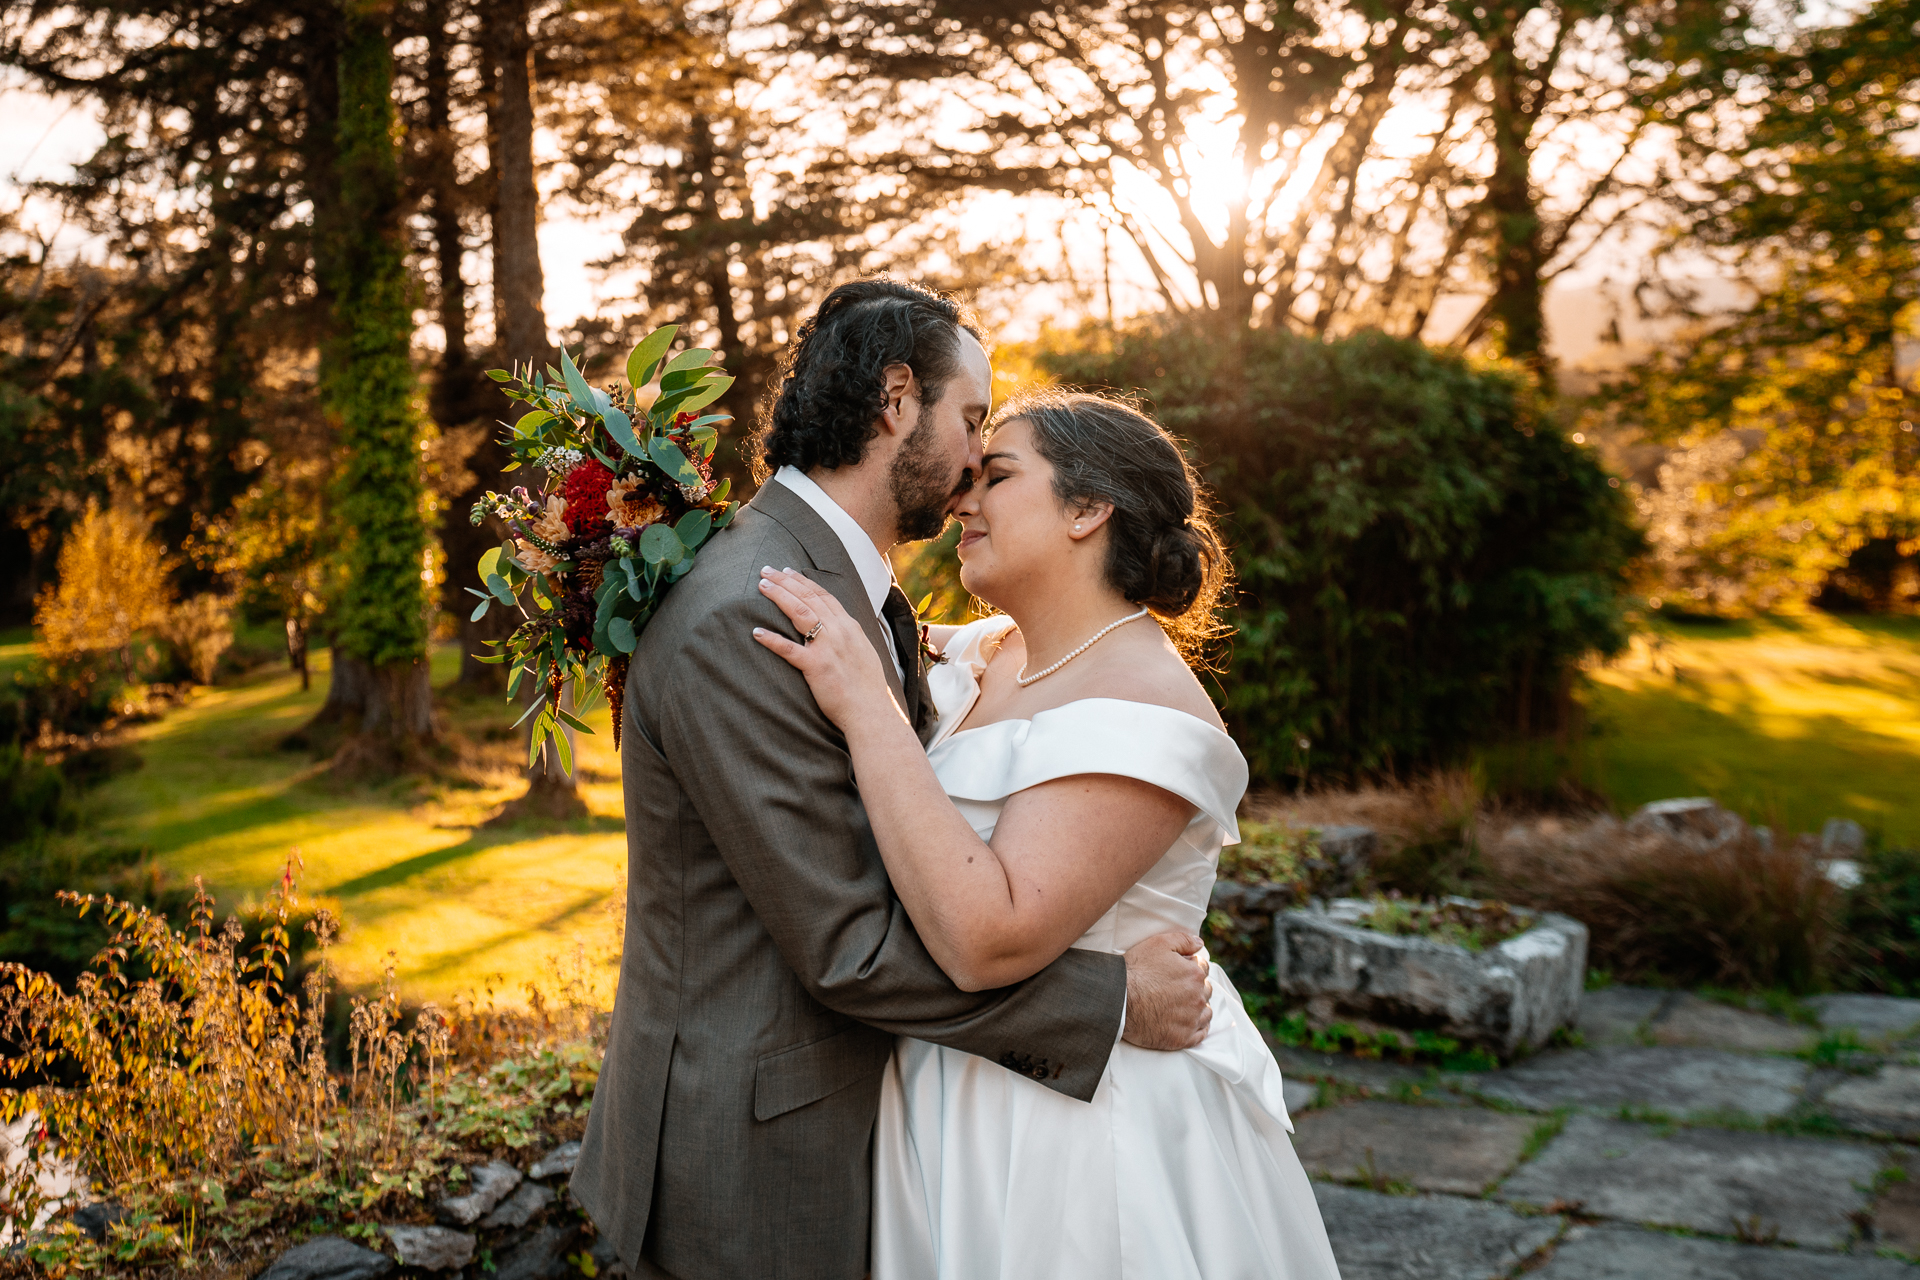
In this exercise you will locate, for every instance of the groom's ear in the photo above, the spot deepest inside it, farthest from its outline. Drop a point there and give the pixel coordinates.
(898, 387)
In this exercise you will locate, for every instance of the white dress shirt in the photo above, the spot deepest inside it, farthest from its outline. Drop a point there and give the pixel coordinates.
(875, 574)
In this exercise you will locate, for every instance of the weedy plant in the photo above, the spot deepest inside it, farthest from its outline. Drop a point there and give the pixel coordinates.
(185, 1077)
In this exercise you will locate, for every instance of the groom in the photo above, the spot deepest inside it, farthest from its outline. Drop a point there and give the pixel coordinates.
(768, 965)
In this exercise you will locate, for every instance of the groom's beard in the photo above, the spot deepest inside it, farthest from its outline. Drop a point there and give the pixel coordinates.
(921, 487)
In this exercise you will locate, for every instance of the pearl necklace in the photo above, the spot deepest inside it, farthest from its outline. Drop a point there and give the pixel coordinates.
(1023, 679)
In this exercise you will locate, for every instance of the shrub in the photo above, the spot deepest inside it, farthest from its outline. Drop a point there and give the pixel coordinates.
(1883, 924)
(200, 630)
(33, 795)
(1746, 913)
(113, 586)
(1424, 558)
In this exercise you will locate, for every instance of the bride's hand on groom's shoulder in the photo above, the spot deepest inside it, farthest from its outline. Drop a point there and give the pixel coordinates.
(840, 663)
(1167, 993)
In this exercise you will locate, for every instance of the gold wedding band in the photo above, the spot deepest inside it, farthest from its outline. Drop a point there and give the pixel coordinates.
(808, 638)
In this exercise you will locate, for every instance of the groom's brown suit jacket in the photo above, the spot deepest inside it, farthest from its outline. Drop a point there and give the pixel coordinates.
(767, 963)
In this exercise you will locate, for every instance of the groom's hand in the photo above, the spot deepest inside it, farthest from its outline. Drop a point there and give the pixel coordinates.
(1167, 992)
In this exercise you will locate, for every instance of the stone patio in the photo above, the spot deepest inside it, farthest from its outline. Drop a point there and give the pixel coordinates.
(1686, 1139)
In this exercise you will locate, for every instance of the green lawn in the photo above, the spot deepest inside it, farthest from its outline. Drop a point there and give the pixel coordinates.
(404, 863)
(1789, 720)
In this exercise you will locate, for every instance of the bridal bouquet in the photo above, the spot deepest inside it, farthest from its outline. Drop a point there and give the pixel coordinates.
(627, 500)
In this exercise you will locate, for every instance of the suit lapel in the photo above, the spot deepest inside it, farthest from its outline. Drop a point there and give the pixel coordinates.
(833, 569)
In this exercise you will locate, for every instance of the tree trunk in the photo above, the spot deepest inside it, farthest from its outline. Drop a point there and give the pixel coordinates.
(1515, 220)
(520, 318)
(518, 285)
(369, 386)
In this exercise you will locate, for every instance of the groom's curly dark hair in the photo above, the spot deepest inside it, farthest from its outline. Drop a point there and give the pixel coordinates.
(833, 380)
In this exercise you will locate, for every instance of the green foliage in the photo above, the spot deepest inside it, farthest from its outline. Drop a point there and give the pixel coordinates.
(1414, 1046)
(1475, 926)
(1795, 154)
(1882, 947)
(1424, 557)
(368, 378)
(33, 795)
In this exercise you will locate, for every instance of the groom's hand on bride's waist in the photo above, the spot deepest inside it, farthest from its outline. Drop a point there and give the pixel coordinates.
(1167, 993)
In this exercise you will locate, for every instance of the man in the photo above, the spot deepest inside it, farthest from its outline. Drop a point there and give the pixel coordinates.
(768, 965)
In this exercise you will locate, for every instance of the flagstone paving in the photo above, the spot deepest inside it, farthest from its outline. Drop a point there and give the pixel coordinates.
(1674, 1081)
(1383, 1237)
(1685, 1140)
(1615, 1253)
(1464, 1150)
(1766, 1186)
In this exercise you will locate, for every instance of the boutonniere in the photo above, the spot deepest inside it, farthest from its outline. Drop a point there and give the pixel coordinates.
(929, 657)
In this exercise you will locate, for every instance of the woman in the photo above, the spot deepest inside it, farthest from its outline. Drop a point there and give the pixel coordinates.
(1077, 793)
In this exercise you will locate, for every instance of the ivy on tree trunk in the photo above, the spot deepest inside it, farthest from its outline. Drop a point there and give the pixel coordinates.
(370, 389)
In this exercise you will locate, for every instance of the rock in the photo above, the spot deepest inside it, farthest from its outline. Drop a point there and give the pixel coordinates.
(1844, 873)
(1676, 1082)
(1697, 820)
(1708, 1024)
(1297, 1095)
(488, 1184)
(328, 1258)
(1623, 1253)
(1505, 998)
(1873, 1017)
(1843, 838)
(1379, 1237)
(1349, 853)
(1310, 1064)
(606, 1262)
(1463, 1150)
(430, 1248)
(558, 1162)
(95, 1218)
(1886, 1103)
(1896, 1215)
(1618, 1015)
(517, 1209)
(541, 1256)
(1798, 1190)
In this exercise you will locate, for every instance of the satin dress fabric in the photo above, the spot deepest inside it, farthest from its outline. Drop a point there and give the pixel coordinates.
(1181, 1167)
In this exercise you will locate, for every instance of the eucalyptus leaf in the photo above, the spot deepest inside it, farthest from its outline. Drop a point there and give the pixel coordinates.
(670, 458)
(693, 358)
(693, 528)
(620, 631)
(647, 354)
(658, 544)
(480, 610)
(620, 427)
(530, 424)
(498, 585)
(712, 390)
(577, 388)
(633, 578)
(489, 563)
(721, 490)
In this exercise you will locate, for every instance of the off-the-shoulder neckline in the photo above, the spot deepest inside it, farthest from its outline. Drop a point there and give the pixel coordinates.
(1131, 702)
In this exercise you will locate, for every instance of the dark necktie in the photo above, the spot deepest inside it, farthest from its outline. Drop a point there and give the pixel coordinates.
(905, 629)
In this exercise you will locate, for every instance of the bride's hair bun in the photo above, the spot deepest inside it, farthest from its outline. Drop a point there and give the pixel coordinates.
(1162, 550)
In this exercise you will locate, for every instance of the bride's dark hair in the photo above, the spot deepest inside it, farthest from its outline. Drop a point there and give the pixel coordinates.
(1162, 549)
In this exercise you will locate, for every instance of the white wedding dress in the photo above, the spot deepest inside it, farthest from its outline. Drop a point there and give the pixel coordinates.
(1181, 1167)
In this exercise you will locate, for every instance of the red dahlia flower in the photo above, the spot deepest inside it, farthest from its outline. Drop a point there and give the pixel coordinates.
(586, 493)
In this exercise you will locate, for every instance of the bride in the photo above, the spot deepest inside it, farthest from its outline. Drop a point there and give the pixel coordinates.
(1076, 793)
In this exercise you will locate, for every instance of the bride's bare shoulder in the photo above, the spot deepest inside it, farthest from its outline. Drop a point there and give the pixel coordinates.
(1150, 669)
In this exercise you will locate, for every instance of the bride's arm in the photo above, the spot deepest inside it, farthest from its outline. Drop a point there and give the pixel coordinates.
(1062, 853)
